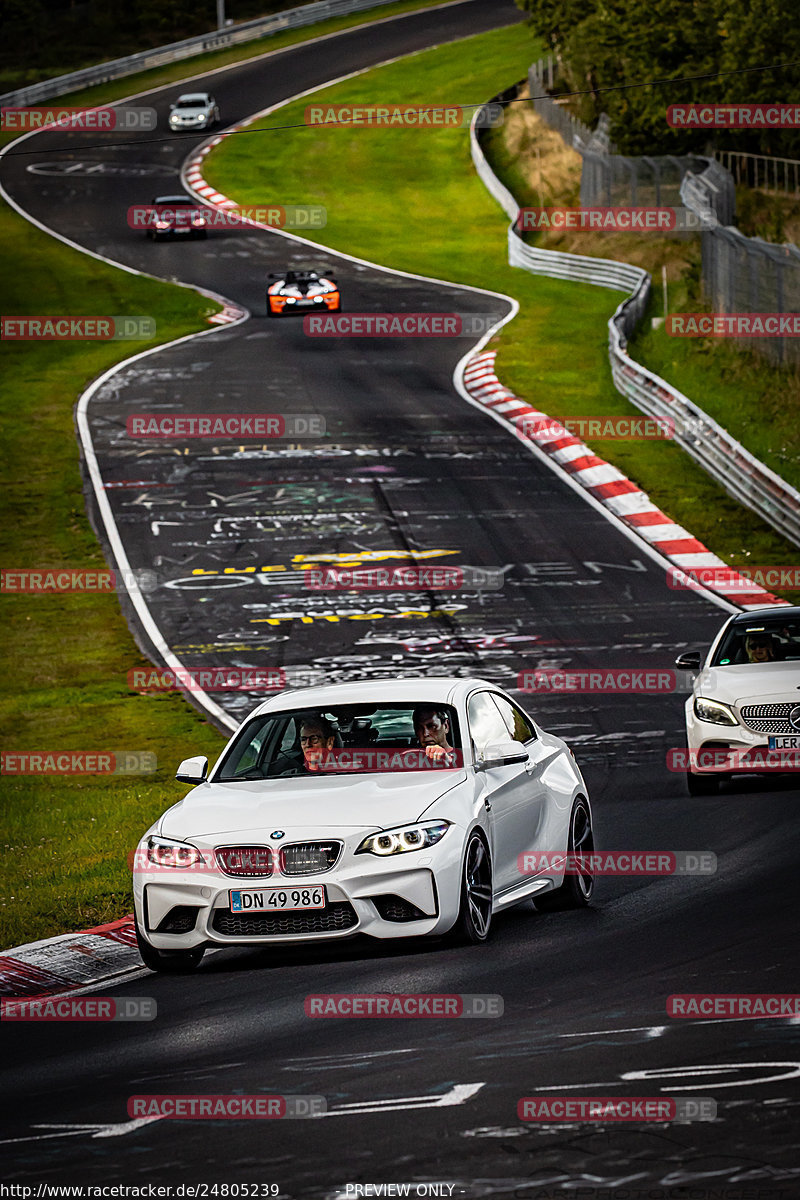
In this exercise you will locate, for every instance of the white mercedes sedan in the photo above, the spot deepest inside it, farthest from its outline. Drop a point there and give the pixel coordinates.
(744, 711)
(391, 808)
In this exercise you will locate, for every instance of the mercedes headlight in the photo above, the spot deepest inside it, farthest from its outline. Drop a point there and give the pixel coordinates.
(400, 841)
(714, 710)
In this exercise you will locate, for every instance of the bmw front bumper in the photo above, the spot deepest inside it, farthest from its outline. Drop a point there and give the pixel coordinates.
(403, 895)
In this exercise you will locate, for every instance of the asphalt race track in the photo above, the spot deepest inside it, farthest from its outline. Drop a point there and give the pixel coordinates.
(408, 466)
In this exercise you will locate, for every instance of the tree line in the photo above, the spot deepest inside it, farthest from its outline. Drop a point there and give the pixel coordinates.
(608, 48)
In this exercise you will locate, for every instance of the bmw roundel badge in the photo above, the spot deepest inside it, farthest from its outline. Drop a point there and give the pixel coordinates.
(277, 834)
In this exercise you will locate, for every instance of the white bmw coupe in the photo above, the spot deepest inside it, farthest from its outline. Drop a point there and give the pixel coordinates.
(393, 808)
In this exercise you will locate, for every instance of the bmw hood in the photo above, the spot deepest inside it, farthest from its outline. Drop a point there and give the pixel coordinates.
(780, 682)
(369, 802)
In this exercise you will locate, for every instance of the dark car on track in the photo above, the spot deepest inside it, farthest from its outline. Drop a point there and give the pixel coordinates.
(176, 216)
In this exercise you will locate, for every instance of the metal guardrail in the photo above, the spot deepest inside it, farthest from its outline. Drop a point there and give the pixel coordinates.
(738, 471)
(145, 60)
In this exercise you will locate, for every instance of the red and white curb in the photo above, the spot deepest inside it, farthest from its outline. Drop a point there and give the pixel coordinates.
(608, 485)
(199, 185)
(73, 960)
(194, 176)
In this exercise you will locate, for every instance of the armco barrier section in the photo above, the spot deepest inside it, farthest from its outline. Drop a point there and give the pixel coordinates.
(159, 56)
(712, 447)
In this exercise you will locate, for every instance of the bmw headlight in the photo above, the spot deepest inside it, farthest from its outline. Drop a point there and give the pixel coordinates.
(400, 841)
(166, 853)
(714, 710)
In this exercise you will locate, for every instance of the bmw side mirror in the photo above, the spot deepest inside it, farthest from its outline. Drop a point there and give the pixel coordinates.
(192, 770)
(502, 754)
(690, 661)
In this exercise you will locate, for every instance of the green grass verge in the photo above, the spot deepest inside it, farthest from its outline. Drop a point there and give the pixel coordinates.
(411, 199)
(65, 658)
(757, 403)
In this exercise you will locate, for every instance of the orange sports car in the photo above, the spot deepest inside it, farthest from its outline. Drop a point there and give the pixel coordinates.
(302, 291)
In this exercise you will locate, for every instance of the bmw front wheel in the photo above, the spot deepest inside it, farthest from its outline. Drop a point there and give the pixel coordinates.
(475, 913)
(168, 962)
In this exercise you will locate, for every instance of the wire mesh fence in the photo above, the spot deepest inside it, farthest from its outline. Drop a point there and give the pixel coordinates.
(739, 274)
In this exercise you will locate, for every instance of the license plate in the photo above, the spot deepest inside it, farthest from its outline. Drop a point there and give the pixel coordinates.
(277, 899)
(790, 742)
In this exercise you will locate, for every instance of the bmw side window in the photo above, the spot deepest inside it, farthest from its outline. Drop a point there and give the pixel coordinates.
(519, 726)
(486, 725)
(245, 756)
(289, 741)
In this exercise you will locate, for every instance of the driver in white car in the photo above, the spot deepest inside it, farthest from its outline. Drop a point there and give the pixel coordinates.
(761, 648)
(432, 727)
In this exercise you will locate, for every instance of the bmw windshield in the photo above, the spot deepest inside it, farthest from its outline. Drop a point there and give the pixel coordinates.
(307, 742)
